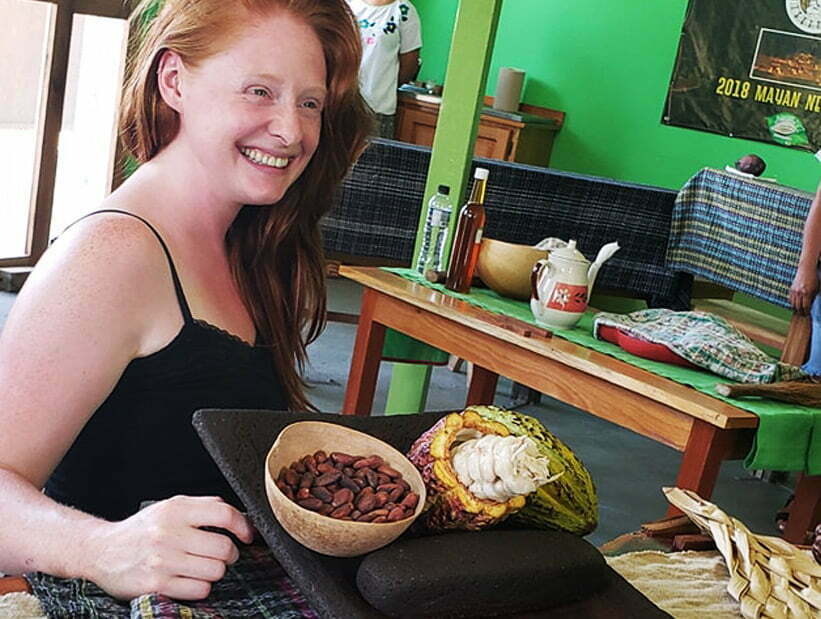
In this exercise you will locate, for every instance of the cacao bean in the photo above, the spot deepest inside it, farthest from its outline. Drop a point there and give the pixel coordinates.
(397, 513)
(307, 480)
(355, 514)
(380, 519)
(303, 493)
(342, 511)
(344, 495)
(387, 487)
(291, 477)
(382, 479)
(370, 462)
(359, 474)
(381, 498)
(320, 456)
(325, 467)
(396, 493)
(389, 471)
(312, 504)
(310, 463)
(343, 458)
(327, 478)
(377, 513)
(299, 467)
(366, 490)
(360, 482)
(288, 492)
(323, 494)
(366, 503)
(373, 480)
(349, 471)
(350, 484)
(410, 500)
(326, 509)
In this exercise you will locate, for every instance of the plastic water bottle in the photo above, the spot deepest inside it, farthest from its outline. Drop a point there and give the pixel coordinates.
(436, 230)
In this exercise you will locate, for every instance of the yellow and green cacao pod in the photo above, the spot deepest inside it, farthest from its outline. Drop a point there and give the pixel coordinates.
(569, 503)
(450, 505)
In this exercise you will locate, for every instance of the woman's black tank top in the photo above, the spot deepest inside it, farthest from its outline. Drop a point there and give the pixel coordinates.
(139, 444)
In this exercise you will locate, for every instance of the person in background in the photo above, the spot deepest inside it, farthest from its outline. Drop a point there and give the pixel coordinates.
(391, 40)
(804, 293)
(197, 284)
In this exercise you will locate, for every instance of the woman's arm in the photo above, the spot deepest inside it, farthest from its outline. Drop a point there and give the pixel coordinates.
(89, 307)
(805, 282)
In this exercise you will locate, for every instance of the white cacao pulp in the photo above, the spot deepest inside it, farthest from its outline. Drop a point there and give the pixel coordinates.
(498, 468)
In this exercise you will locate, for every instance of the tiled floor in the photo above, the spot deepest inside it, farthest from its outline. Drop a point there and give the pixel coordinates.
(629, 470)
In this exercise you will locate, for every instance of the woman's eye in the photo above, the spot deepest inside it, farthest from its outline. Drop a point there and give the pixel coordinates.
(259, 91)
(312, 104)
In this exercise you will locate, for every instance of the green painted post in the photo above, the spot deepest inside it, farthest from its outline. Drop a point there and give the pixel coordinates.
(462, 102)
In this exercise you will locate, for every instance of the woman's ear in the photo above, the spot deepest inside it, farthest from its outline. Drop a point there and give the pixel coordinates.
(169, 74)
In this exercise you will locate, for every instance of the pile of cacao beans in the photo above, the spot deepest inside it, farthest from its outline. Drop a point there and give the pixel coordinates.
(346, 487)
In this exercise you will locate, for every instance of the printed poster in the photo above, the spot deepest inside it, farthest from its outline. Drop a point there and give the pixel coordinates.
(750, 69)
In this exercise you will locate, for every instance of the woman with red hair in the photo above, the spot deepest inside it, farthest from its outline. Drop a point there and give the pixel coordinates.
(198, 283)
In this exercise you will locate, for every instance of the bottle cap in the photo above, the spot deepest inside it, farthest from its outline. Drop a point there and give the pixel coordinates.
(444, 190)
(481, 174)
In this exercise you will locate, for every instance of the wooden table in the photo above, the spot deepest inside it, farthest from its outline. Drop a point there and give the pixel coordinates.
(706, 429)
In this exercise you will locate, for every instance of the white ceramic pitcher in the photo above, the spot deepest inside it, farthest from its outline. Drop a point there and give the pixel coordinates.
(560, 285)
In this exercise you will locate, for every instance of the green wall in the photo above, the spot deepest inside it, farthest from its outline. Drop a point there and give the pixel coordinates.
(607, 66)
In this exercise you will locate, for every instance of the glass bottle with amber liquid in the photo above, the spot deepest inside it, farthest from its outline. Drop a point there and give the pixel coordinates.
(468, 239)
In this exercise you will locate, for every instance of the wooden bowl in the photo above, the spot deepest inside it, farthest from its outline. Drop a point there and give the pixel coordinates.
(505, 267)
(323, 534)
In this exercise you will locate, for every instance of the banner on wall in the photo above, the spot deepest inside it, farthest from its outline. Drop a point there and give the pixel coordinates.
(751, 70)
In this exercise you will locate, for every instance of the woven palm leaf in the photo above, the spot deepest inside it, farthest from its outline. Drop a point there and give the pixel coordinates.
(769, 577)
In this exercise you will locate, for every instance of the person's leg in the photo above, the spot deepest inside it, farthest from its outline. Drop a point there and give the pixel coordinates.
(386, 125)
(813, 364)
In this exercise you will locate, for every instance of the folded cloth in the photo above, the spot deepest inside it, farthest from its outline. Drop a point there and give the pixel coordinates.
(255, 586)
(705, 340)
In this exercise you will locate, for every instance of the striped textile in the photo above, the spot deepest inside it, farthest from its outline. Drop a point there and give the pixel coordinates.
(743, 234)
(377, 213)
(255, 586)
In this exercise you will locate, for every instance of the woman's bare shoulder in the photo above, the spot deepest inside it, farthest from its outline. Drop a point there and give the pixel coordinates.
(112, 249)
(110, 265)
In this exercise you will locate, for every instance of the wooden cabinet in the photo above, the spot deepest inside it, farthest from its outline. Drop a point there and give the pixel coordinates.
(524, 137)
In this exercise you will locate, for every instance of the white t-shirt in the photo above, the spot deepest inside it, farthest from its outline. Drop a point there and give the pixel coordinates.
(386, 31)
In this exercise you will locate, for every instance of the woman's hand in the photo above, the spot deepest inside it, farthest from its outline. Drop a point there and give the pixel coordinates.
(803, 290)
(162, 549)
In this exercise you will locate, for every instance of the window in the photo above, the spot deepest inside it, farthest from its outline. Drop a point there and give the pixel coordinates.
(60, 75)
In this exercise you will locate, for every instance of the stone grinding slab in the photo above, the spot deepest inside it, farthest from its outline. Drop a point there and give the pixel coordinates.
(239, 442)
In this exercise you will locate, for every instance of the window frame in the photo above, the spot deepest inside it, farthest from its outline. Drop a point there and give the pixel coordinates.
(50, 118)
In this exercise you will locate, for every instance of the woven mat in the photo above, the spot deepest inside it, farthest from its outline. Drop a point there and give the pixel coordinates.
(688, 585)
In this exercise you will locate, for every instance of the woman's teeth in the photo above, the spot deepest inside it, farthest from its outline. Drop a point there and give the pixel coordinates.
(257, 156)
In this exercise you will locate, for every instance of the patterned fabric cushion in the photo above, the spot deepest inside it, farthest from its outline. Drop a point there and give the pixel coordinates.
(377, 214)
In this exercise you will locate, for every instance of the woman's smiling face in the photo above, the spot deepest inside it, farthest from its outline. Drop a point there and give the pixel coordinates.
(250, 116)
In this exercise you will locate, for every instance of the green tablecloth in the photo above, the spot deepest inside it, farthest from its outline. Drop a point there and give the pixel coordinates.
(788, 436)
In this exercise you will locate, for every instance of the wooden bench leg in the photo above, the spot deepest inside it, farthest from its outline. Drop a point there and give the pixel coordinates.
(805, 511)
(707, 446)
(482, 386)
(367, 354)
